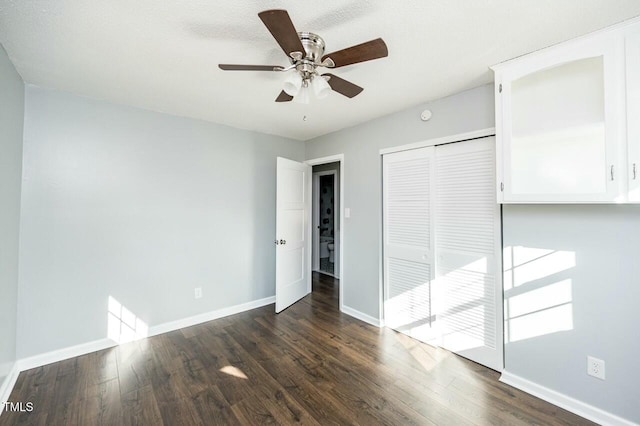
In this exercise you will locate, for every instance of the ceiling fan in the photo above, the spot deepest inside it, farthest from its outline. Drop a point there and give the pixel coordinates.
(306, 53)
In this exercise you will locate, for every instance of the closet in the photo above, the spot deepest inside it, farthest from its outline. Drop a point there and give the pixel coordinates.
(441, 226)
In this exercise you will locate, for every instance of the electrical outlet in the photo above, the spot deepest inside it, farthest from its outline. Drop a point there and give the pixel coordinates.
(198, 292)
(595, 367)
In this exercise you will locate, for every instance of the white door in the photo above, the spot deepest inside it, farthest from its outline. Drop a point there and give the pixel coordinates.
(468, 245)
(293, 232)
(408, 181)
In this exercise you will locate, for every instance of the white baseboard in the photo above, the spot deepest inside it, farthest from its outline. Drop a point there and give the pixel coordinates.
(361, 316)
(64, 353)
(209, 316)
(563, 401)
(7, 385)
(97, 345)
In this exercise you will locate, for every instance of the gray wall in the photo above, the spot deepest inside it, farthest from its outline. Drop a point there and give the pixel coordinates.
(604, 301)
(605, 281)
(142, 207)
(11, 123)
(464, 112)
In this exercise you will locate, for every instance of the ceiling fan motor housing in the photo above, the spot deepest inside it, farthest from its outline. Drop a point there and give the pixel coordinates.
(313, 46)
(314, 49)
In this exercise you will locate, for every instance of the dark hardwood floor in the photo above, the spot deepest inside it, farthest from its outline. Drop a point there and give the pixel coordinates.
(310, 364)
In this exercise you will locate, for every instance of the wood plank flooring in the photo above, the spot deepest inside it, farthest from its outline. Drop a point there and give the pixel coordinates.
(309, 364)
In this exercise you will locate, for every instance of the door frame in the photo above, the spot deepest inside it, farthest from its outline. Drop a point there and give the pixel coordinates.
(324, 160)
(315, 220)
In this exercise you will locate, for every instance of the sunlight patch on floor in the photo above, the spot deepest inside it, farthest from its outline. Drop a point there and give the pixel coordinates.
(233, 371)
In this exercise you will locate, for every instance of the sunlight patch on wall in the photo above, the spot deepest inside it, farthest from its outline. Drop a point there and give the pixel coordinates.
(535, 303)
(539, 312)
(524, 264)
(123, 325)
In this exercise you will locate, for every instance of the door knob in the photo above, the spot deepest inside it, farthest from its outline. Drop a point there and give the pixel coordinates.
(276, 241)
(283, 242)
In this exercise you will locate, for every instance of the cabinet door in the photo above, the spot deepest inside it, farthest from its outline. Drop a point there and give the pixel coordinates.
(632, 43)
(560, 124)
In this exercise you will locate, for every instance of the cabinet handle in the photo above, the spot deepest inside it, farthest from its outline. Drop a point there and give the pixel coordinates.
(634, 171)
(612, 172)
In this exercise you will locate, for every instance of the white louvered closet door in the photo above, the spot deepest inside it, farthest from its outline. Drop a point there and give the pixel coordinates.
(467, 229)
(408, 189)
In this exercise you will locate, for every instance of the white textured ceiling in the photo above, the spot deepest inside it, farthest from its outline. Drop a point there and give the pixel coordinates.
(162, 55)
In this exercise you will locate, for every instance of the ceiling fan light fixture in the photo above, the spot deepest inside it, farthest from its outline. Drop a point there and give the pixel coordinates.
(292, 84)
(303, 96)
(306, 52)
(320, 87)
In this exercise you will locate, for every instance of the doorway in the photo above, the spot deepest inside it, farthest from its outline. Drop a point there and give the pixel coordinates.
(325, 220)
(297, 239)
(332, 169)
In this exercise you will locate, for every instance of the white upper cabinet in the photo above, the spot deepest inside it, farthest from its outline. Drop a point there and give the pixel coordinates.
(560, 116)
(632, 49)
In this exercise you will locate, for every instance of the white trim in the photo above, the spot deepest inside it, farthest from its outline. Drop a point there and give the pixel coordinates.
(490, 131)
(381, 280)
(333, 159)
(315, 222)
(325, 160)
(612, 28)
(361, 316)
(209, 316)
(98, 345)
(64, 353)
(563, 401)
(7, 385)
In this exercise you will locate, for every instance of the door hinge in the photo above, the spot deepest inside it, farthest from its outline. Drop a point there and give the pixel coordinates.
(500, 88)
(502, 186)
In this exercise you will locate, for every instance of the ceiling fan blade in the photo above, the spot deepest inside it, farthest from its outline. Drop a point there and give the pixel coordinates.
(367, 51)
(233, 67)
(343, 86)
(284, 97)
(281, 28)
